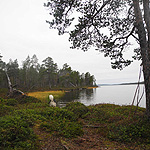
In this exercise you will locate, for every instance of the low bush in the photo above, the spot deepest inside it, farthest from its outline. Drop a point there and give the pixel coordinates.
(19, 116)
(16, 134)
(72, 129)
(3, 92)
(122, 124)
(60, 122)
(64, 128)
(77, 108)
(1, 100)
(4, 109)
(131, 131)
(29, 116)
(102, 113)
(28, 99)
(56, 113)
(11, 102)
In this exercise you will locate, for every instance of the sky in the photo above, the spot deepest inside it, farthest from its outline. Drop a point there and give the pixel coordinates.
(24, 31)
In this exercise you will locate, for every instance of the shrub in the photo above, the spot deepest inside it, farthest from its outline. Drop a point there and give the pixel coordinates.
(29, 116)
(77, 108)
(56, 113)
(1, 100)
(63, 127)
(98, 114)
(3, 92)
(72, 129)
(60, 122)
(131, 131)
(4, 109)
(28, 99)
(16, 134)
(11, 102)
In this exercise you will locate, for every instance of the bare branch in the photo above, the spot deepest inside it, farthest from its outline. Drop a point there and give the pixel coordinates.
(125, 37)
(135, 37)
(101, 8)
(69, 8)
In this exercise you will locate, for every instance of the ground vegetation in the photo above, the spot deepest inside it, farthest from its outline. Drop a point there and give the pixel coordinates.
(32, 124)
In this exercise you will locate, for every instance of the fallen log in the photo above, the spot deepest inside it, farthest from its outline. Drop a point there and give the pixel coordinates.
(13, 92)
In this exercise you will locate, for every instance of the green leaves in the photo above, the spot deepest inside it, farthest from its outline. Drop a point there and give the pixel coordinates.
(60, 122)
(16, 133)
(77, 108)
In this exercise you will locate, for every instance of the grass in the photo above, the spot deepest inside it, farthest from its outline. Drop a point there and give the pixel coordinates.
(44, 95)
(25, 122)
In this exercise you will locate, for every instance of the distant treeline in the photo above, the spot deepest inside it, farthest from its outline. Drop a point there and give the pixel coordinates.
(35, 76)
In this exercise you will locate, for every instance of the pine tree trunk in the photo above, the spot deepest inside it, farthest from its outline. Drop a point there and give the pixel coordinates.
(147, 64)
(144, 39)
(146, 72)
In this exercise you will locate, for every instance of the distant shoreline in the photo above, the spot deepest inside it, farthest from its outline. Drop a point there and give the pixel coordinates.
(113, 84)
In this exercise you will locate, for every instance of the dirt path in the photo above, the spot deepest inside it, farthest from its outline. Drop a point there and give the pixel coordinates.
(91, 140)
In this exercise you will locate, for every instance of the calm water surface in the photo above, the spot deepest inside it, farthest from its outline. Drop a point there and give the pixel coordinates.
(116, 94)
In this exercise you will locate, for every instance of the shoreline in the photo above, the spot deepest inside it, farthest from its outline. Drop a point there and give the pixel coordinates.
(63, 89)
(113, 84)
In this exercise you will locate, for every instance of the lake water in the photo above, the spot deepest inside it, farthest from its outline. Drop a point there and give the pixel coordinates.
(116, 94)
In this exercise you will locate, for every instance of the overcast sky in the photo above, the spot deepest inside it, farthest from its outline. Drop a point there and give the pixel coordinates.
(23, 32)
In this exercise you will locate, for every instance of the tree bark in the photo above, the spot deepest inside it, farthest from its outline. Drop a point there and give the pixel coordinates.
(9, 84)
(147, 21)
(143, 35)
(12, 91)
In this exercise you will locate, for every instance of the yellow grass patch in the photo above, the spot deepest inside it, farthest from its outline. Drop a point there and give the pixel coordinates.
(44, 95)
(92, 87)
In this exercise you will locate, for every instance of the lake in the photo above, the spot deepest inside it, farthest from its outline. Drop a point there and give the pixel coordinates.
(114, 94)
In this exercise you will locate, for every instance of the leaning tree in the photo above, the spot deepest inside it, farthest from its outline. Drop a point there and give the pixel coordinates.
(111, 26)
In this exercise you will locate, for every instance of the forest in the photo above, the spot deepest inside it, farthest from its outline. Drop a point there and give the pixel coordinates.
(33, 76)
